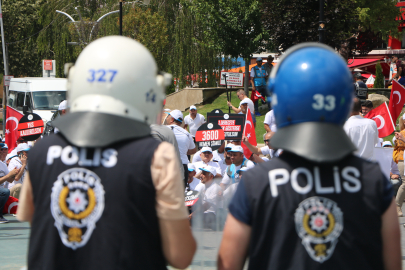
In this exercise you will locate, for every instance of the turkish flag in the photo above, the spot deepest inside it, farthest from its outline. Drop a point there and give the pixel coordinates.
(396, 100)
(249, 132)
(256, 96)
(382, 117)
(12, 119)
(11, 206)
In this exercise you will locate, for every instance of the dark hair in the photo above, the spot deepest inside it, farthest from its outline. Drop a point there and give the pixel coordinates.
(177, 122)
(356, 105)
(395, 55)
(367, 104)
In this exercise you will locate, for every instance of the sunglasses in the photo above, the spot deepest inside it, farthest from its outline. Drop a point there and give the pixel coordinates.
(266, 140)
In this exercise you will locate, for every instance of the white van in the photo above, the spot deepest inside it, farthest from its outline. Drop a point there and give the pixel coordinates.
(41, 95)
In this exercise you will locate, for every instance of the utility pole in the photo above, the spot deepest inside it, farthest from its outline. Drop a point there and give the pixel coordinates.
(121, 17)
(321, 28)
(5, 69)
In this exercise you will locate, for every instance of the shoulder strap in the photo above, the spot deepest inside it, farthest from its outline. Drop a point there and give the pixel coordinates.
(244, 162)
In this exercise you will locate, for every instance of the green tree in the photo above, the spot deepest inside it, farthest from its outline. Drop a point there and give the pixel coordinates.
(351, 26)
(148, 28)
(234, 27)
(379, 77)
(20, 22)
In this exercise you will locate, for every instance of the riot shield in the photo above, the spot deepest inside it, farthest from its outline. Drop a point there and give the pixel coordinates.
(207, 226)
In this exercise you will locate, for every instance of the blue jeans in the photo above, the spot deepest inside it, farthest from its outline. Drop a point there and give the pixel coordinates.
(4, 194)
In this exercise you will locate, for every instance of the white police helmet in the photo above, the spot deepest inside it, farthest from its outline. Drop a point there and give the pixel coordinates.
(115, 93)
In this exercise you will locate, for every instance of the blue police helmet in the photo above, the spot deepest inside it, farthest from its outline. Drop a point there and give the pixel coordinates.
(312, 95)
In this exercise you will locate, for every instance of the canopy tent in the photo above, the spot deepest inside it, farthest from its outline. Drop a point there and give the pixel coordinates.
(359, 63)
(368, 65)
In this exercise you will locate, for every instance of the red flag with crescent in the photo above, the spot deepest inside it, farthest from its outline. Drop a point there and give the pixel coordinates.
(11, 206)
(12, 119)
(250, 133)
(396, 101)
(382, 117)
(256, 96)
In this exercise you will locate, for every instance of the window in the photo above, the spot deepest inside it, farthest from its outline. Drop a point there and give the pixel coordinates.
(11, 99)
(28, 102)
(20, 100)
(48, 100)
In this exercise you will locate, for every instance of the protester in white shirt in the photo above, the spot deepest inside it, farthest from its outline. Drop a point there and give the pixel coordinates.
(194, 120)
(238, 161)
(242, 97)
(265, 150)
(230, 191)
(18, 162)
(206, 156)
(219, 153)
(223, 164)
(380, 142)
(270, 122)
(184, 139)
(63, 106)
(363, 132)
(215, 156)
(6, 176)
(212, 200)
(192, 182)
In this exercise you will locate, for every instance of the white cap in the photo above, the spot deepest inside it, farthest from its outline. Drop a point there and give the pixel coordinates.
(191, 167)
(176, 114)
(206, 149)
(63, 105)
(22, 147)
(209, 169)
(386, 143)
(12, 154)
(229, 146)
(244, 101)
(237, 148)
(166, 110)
(193, 107)
(9, 156)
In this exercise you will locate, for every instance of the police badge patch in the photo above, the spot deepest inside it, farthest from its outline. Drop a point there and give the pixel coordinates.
(77, 203)
(319, 223)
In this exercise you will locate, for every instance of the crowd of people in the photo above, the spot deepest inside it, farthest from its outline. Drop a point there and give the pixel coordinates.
(107, 190)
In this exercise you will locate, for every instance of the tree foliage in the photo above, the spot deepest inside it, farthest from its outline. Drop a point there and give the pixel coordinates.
(233, 27)
(20, 22)
(148, 28)
(192, 39)
(350, 24)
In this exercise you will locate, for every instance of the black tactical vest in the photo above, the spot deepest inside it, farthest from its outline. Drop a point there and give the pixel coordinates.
(94, 208)
(306, 215)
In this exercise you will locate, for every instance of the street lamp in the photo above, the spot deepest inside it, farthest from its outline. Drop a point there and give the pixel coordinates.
(81, 39)
(321, 28)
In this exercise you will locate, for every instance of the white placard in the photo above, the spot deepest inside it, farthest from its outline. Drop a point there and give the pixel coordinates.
(6, 79)
(233, 79)
(384, 157)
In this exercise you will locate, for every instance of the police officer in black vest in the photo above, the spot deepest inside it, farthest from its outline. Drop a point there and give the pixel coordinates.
(360, 88)
(317, 206)
(102, 193)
